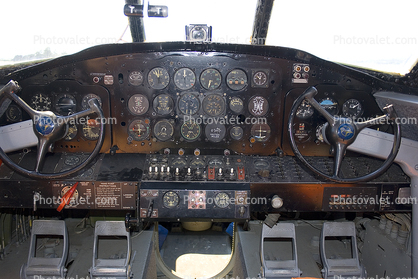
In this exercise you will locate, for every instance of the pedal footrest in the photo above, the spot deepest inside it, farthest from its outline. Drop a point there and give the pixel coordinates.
(278, 268)
(46, 267)
(111, 268)
(347, 267)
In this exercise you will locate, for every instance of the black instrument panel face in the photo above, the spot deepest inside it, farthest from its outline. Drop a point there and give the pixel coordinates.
(192, 99)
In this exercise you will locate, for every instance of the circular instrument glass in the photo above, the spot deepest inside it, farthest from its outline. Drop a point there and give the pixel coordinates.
(236, 79)
(158, 78)
(197, 163)
(184, 78)
(13, 113)
(213, 105)
(189, 104)
(139, 129)
(330, 105)
(260, 132)
(320, 132)
(352, 108)
(87, 98)
(163, 130)
(170, 199)
(136, 78)
(163, 104)
(138, 104)
(190, 130)
(236, 105)
(302, 132)
(236, 133)
(40, 102)
(210, 79)
(258, 106)
(65, 105)
(260, 78)
(305, 110)
(178, 163)
(91, 129)
(222, 200)
(72, 132)
(215, 132)
(74, 196)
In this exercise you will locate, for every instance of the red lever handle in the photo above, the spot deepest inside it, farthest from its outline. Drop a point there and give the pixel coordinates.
(67, 197)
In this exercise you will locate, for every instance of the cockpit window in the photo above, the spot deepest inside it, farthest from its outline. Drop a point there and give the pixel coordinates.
(371, 34)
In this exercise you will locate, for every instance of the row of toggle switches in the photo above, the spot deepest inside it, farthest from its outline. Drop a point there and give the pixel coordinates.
(189, 174)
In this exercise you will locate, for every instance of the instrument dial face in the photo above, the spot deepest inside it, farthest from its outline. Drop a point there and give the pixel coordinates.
(163, 130)
(139, 129)
(73, 198)
(40, 102)
(222, 200)
(138, 104)
(352, 108)
(330, 105)
(13, 113)
(184, 78)
(210, 79)
(213, 105)
(197, 163)
(65, 105)
(236, 133)
(236, 79)
(305, 110)
(215, 132)
(189, 104)
(163, 104)
(136, 78)
(72, 132)
(178, 163)
(91, 129)
(258, 106)
(158, 78)
(215, 162)
(190, 130)
(170, 199)
(236, 105)
(260, 78)
(86, 99)
(302, 131)
(260, 132)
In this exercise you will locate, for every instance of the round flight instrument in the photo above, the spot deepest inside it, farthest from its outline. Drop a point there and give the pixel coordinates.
(330, 105)
(163, 130)
(213, 105)
(215, 162)
(305, 110)
(260, 78)
(178, 163)
(352, 108)
(303, 131)
(236, 104)
(170, 199)
(87, 98)
(260, 132)
(40, 102)
(258, 106)
(139, 129)
(215, 132)
(184, 78)
(236, 133)
(91, 129)
(190, 130)
(222, 200)
(189, 104)
(198, 163)
(72, 132)
(13, 113)
(236, 79)
(136, 78)
(163, 104)
(65, 105)
(138, 104)
(210, 79)
(158, 78)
